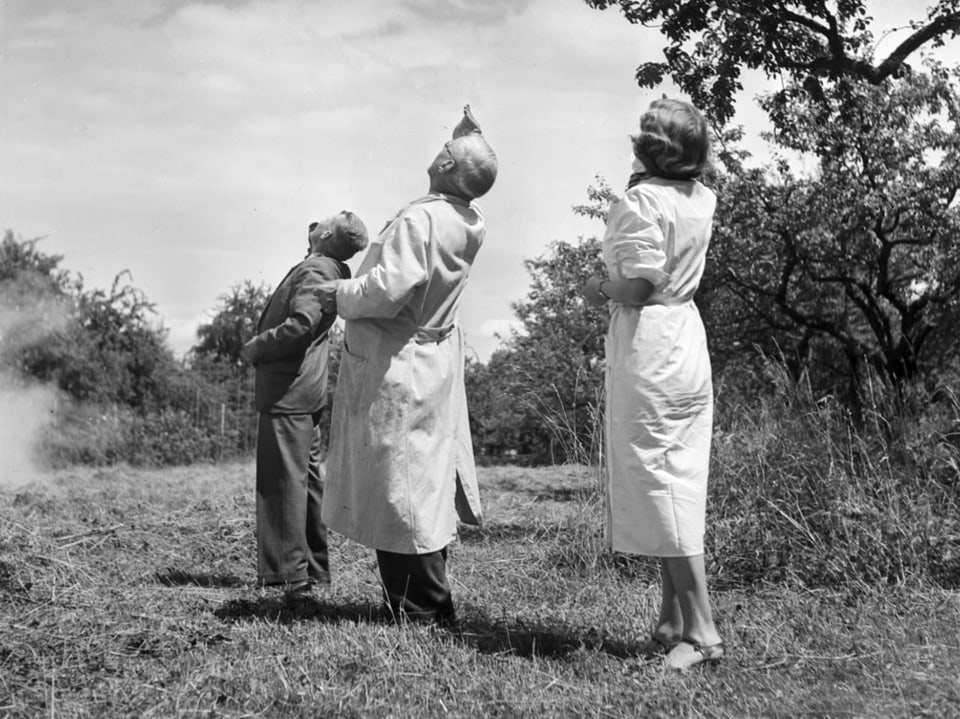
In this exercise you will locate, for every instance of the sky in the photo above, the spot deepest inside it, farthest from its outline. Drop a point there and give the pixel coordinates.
(191, 142)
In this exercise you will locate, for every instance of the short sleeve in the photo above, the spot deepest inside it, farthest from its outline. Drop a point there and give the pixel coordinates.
(635, 240)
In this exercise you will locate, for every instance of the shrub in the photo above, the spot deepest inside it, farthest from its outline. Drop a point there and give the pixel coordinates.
(86, 434)
(170, 438)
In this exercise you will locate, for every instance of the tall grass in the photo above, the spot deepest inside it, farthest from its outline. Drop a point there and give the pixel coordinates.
(801, 492)
(574, 421)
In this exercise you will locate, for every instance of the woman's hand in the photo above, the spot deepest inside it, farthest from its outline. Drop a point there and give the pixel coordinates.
(591, 291)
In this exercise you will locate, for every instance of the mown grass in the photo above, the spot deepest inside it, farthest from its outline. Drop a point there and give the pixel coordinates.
(128, 592)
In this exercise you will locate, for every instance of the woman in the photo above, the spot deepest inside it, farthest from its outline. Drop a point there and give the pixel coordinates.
(659, 392)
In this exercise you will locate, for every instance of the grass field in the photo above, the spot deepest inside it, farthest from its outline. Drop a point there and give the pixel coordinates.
(129, 593)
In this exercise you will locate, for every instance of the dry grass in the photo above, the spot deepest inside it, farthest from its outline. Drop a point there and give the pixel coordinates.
(128, 593)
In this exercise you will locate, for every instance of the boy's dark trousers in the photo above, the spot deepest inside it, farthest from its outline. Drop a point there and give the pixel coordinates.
(291, 538)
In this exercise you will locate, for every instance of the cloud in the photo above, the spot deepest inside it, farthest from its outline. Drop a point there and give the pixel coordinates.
(465, 12)
(182, 331)
(189, 141)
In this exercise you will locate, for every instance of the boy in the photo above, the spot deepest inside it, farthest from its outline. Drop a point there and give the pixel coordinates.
(290, 353)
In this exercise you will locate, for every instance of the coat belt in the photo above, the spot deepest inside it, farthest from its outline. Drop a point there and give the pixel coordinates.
(426, 335)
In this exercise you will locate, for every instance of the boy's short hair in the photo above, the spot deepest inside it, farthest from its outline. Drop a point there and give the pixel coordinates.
(351, 234)
(673, 141)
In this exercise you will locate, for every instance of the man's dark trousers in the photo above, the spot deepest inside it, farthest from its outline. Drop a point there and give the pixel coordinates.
(291, 538)
(416, 586)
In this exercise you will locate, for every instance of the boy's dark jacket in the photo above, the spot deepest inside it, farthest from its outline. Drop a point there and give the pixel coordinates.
(291, 349)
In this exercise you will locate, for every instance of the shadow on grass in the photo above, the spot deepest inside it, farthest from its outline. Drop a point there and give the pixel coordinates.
(504, 533)
(486, 636)
(581, 493)
(537, 639)
(285, 610)
(180, 578)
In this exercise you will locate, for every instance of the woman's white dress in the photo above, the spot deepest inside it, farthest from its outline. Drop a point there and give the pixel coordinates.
(659, 391)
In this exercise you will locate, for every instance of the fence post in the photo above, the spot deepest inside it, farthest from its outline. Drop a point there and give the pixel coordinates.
(223, 424)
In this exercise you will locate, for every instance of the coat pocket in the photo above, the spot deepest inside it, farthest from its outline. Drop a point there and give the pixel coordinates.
(353, 381)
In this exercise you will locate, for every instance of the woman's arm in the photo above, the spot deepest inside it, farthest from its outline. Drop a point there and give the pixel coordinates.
(631, 291)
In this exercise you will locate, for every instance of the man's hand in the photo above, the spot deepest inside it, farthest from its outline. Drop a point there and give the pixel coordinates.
(327, 295)
(249, 353)
(468, 123)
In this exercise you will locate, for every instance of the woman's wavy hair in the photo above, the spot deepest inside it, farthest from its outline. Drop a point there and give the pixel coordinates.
(673, 141)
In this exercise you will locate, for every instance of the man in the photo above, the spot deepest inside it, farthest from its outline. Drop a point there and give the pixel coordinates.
(400, 469)
(290, 353)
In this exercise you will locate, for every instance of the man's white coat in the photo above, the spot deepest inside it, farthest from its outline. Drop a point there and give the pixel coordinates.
(400, 468)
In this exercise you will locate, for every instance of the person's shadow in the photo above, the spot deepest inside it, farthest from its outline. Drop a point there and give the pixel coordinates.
(180, 578)
(517, 636)
(278, 607)
(534, 638)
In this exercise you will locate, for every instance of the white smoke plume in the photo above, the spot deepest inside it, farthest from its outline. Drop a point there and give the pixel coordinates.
(24, 413)
(26, 408)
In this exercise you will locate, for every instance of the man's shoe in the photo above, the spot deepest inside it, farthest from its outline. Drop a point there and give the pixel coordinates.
(298, 589)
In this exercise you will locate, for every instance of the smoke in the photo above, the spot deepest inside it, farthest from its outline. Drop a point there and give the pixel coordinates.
(26, 408)
(24, 413)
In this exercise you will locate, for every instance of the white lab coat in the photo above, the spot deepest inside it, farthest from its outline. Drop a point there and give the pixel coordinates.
(400, 468)
(659, 412)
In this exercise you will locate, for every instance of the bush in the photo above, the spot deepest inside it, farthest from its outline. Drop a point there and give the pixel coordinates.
(170, 438)
(85, 434)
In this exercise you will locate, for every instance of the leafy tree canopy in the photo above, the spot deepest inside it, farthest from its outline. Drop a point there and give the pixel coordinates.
(710, 43)
(859, 260)
(540, 393)
(20, 258)
(234, 322)
(96, 345)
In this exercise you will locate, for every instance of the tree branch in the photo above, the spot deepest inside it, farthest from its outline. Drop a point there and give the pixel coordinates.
(806, 22)
(896, 59)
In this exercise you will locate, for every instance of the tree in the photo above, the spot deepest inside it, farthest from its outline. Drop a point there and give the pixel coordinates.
(96, 345)
(227, 391)
(858, 262)
(33, 296)
(20, 258)
(541, 393)
(507, 416)
(807, 42)
(109, 350)
(234, 323)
